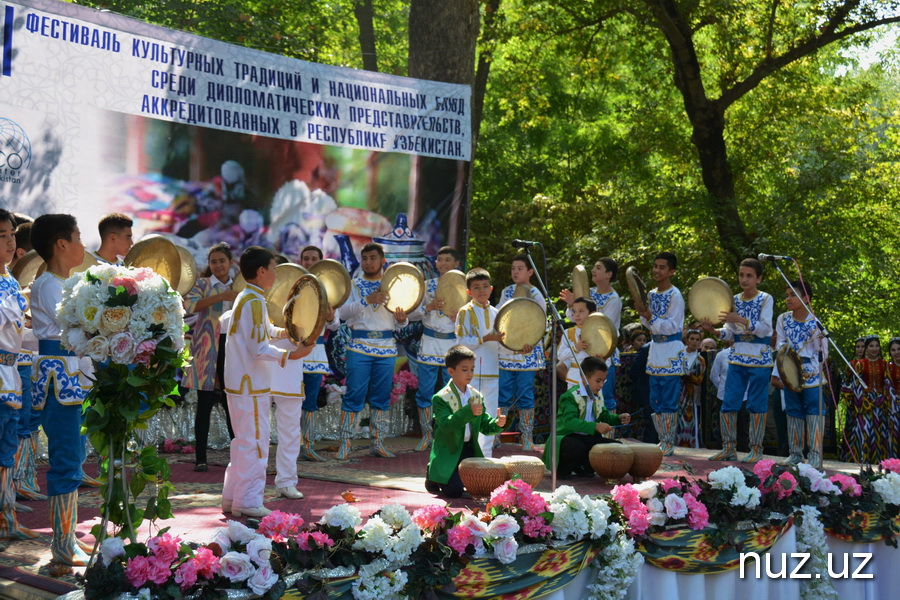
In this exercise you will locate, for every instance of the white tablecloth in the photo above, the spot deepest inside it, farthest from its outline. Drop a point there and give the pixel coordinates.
(884, 566)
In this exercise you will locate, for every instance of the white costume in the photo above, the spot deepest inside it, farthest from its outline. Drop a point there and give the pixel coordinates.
(440, 330)
(287, 395)
(566, 356)
(473, 322)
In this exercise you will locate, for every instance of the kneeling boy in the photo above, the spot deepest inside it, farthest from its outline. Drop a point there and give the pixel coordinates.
(458, 418)
(577, 427)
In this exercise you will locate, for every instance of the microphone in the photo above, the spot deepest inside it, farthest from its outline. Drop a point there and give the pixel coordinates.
(772, 257)
(523, 244)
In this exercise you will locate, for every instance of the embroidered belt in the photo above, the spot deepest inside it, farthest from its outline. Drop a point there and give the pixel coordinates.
(373, 334)
(439, 335)
(662, 339)
(749, 338)
(52, 348)
(8, 359)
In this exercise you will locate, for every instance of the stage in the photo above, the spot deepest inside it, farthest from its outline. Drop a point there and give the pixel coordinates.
(368, 482)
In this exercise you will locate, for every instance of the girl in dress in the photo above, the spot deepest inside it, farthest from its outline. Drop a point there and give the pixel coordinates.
(867, 432)
(689, 404)
(208, 299)
(893, 372)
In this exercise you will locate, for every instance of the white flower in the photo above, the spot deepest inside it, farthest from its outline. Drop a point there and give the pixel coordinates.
(888, 487)
(236, 566)
(111, 548)
(144, 593)
(505, 550)
(375, 535)
(221, 538)
(676, 507)
(475, 525)
(396, 516)
(97, 348)
(502, 526)
(376, 582)
(404, 544)
(259, 549)
(240, 533)
(264, 578)
(746, 496)
(646, 489)
(343, 516)
(114, 319)
(727, 477)
(657, 511)
(75, 340)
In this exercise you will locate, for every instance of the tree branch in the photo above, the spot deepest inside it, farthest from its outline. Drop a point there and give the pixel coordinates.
(810, 46)
(771, 28)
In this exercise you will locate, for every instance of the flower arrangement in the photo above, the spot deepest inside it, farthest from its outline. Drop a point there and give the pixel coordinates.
(651, 506)
(177, 446)
(403, 381)
(130, 323)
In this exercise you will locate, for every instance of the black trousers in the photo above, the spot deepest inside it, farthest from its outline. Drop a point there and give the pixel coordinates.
(205, 402)
(574, 450)
(454, 488)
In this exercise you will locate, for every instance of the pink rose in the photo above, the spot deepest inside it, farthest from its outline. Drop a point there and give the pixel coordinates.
(138, 570)
(143, 274)
(186, 574)
(165, 547)
(264, 578)
(144, 352)
(236, 566)
(129, 283)
(763, 469)
(121, 347)
(207, 563)
(505, 550)
(502, 526)
(676, 508)
(698, 515)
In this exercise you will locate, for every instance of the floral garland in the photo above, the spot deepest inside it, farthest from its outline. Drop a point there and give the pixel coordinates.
(811, 539)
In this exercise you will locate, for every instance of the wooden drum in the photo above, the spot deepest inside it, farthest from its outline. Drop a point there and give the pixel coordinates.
(529, 469)
(611, 461)
(481, 476)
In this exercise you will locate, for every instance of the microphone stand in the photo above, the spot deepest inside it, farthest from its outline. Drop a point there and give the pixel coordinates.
(826, 335)
(556, 326)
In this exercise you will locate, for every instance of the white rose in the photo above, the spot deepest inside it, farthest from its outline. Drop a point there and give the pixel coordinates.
(97, 348)
(236, 566)
(505, 550)
(657, 511)
(676, 507)
(889, 488)
(647, 489)
(475, 525)
(259, 549)
(221, 538)
(502, 526)
(264, 578)
(121, 348)
(240, 533)
(75, 340)
(111, 548)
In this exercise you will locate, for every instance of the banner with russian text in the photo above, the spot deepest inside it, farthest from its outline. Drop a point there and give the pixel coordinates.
(207, 141)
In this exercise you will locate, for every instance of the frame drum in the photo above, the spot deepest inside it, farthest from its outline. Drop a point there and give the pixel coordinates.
(709, 298)
(304, 312)
(638, 289)
(522, 321)
(404, 285)
(600, 334)
(451, 288)
(334, 278)
(581, 285)
(790, 368)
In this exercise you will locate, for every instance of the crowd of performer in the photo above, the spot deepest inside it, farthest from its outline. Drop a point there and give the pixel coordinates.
(469, 383)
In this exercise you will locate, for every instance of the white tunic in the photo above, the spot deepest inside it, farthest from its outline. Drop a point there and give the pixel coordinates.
(434, 349)
(317, 360)
(747, 352)
(511, 361)
(375, 318)
(806, 338)
(248, 345)
(565, 355)
(473, 322)
(12, 328)
(667, 310)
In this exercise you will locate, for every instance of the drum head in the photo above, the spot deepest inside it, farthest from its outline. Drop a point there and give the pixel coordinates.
(523, 321)
(188, 271)
(304, 312)
(404, 285)
(158, 254)
(600, 334)
(451, 288)
(638, 289)
(581, 285)
(523, 290)
(286, 275)
(790, 369)
(335, 278)
(238, 283)
(88, 262)
(710, 297)
(26, 270)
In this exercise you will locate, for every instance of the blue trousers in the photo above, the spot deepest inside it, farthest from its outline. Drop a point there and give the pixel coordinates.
(368, 377)
(609, 390)
(65, 446)
(24, 429)
(312, 385)
(754, 381)
(802, 404)
(428, 379)
(516, 384)
(665, 391)
(9, 439)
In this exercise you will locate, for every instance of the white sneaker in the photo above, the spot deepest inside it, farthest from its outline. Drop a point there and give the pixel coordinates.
(256, 511)
(226, 505)
(290, 492)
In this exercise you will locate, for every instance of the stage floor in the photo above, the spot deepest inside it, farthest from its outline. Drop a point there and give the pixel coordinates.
(370, 482)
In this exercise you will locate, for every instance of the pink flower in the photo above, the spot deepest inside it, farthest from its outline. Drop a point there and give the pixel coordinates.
(848, 484)
(533, 504)
(322, 540)
(121, 348)
(627, 497)
(165, 548)
(144, 352)
(504, 496)
(786, 484)
(891, 464)
(763, 469)
(639, 520)
(698, 515)
(536, 527)
(676, 508)
(459, 537)
(129, 283)
(143, 274)
(138, 570)
(186, 574)
(280, 525)
(694, 489)
(431, 517)
(668, 484)
(188, 449)
(207, 563)
(159, 570)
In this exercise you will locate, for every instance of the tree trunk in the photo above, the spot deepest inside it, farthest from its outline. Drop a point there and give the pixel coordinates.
(484, 68)
(442, 39)
(363, 11)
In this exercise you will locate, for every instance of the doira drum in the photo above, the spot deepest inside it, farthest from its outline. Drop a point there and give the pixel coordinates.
(790, 368)
(581, 285)
(600, 334)
(188, 271)
(638, 289)
(26, 269)
(522, 321)
(159, 255)
(335, 279)
(709, 298)
(304, 312)
(404, 285)
(451, 288)
(286, 275)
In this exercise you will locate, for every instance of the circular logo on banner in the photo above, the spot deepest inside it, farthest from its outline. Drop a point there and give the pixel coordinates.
(15, 148)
